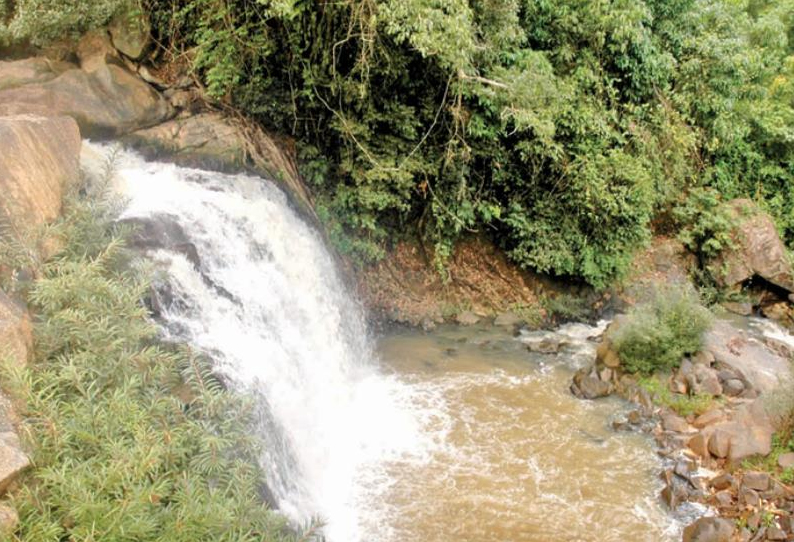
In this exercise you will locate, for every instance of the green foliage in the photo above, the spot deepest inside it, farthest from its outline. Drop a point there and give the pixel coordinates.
(44, 21)
(683, 405)
(705, 223)
(561, 128)
(659, 333)
(131, 440)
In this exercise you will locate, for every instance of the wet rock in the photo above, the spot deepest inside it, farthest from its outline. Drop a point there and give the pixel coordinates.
(634, 417)
(545, 345)
(507, 319)
(756, 480)
(786, 460)
(709, 529)
(588, 386)
(467, 318)
(162, 231)
(607, 355)
(12, 459)
(758, 250)
(9, 519)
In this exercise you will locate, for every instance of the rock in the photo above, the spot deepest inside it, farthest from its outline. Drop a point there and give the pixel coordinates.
(723, 498)
(467, 318)
(780, 312)
(749, 497)
(773, 532)
(709, 529)
(722, 481)
(161, 231)
(634, 417)
(672, 422)
(105, 100)
(16, 73)
(606, 354)
(752, 361)
(586, 386)
(758, 250)
(707, 381)
(704, 357)
(756, 480)
(545, 345)
(12, 459)
(130, 33)
(699, 445)
(750, 431)
(94, 51)
(709, 417)
(39, 156)
(786, 460)
(742, 309)
(213, 141)
(9, 519)
(507, 319)
(733, 387)
(720, 442)
(16, 331)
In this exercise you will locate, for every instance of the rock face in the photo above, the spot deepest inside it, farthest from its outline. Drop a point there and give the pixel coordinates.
(758, 251)
(761, 367)
(105, 99)
(39, 155)
(16, 73)
(12, 459)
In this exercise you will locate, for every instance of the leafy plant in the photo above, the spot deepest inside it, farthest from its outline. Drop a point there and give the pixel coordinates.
(683, 405)
(131, 440)
(657, 334)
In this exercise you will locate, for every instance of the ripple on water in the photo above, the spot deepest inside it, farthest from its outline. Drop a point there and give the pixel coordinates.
(511, 455)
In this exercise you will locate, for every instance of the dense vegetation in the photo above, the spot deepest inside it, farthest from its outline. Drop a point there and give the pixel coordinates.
(565, 129)
(131, 440)
(657, 334)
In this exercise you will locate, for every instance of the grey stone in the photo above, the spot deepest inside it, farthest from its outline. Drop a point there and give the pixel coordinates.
(709, 529)
(756, 480)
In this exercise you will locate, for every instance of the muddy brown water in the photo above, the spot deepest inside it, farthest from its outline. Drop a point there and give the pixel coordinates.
(512, 455)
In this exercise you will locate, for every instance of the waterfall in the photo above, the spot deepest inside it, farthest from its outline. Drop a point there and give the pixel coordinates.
(253, 287)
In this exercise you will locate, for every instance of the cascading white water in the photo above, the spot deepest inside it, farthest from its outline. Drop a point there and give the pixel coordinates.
(266, 303)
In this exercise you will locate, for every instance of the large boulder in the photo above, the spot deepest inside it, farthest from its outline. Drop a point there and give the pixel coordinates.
(39, 156)
(757, 250)
(130, 33)
(105, 99)
(746, 434)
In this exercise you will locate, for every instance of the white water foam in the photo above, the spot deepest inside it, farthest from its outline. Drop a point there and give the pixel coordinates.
(267, 305)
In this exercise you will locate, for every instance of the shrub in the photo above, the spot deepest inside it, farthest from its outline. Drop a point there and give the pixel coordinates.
(658, 333)
(131, 440)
